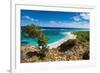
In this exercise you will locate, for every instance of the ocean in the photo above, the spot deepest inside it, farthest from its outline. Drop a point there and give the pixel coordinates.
(53, 35)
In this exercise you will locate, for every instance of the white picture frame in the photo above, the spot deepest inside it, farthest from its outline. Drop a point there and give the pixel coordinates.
(17, 67)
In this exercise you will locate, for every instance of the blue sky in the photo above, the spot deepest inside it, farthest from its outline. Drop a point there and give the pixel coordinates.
(55, 19)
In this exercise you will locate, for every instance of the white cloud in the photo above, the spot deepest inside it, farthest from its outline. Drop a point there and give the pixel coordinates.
(27, 17)
(30, 18)
(65, 24)
(85, 16)
(52, 22)
(80, 17)
(77, 18)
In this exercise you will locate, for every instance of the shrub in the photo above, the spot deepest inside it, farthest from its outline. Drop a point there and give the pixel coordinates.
(82, 36)
(86, 55)
(32, 30)
(67, 45)
(42, 40)
(35, 59)
(41, 56)
(36, 32)
(31, 54)
(44, 51)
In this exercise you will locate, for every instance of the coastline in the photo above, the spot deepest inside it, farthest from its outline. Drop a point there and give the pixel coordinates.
(59, 42)
(80, 51)
(68, 35)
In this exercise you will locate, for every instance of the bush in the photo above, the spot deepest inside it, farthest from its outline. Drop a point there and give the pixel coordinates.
(32, 30)
(67, 45)
(82, 36)
(35, 59)
(86, 55)
(44, 51)
(40, 54)
(36, 32)
(31, 54)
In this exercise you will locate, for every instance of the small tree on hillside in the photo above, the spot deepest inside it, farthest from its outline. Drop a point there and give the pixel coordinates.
(32, 30)
(36, 32)
(42, 40)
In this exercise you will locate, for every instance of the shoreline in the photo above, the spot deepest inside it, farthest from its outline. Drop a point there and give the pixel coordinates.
(68, 35)
(59, 42)
(80, 51)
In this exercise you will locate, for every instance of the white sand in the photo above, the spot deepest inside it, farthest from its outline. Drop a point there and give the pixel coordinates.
(58, 43)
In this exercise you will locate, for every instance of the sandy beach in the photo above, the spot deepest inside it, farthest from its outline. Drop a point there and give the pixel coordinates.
(79, 51)
(68, 36)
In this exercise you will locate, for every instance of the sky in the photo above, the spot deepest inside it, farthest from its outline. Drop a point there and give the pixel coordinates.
(55, 19)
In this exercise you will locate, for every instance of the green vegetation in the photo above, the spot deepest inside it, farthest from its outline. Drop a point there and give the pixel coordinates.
(32, 30)
(37, 56)
(72, 49)
(35, 59)
(67, 45)
(82, 36)
(31, 54)
(86, 55)
(44, 51)
(35, 32)
(42, 40)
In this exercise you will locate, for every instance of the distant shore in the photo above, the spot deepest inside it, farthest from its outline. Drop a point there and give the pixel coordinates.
(59, 27)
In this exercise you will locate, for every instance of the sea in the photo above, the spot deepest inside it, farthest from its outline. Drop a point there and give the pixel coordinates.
(53, 34)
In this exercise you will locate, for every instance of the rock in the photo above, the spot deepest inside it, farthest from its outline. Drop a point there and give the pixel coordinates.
(86, 55)
(67, 45)
(30, 54)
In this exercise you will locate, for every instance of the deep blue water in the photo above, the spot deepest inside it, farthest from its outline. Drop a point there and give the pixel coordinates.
(53, 35)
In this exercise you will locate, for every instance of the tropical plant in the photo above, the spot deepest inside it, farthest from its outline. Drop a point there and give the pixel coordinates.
(86, 55)
(44, 51)
(42, 40)
(35, 59)
(35, 32)
(82, 36)
(32, 30)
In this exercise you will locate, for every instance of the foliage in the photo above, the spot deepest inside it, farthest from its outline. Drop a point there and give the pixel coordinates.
(35, 59)
(31, 54)
(82, 36)
(67, 45)
(37, 55)
(86, 55)
(44, 51)
(42, 40)
(35, 32)
(32, 30)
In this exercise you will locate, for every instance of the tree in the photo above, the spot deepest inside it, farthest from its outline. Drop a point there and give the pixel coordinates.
(36, 32)
(32, 30)
(42, 40)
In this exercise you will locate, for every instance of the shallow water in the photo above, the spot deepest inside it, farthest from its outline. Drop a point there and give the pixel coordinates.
(53, 36)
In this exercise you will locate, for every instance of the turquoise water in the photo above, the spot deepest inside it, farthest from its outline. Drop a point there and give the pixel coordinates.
(53, 36)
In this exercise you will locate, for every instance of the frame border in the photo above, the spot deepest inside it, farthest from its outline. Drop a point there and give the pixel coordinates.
(11, 10)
